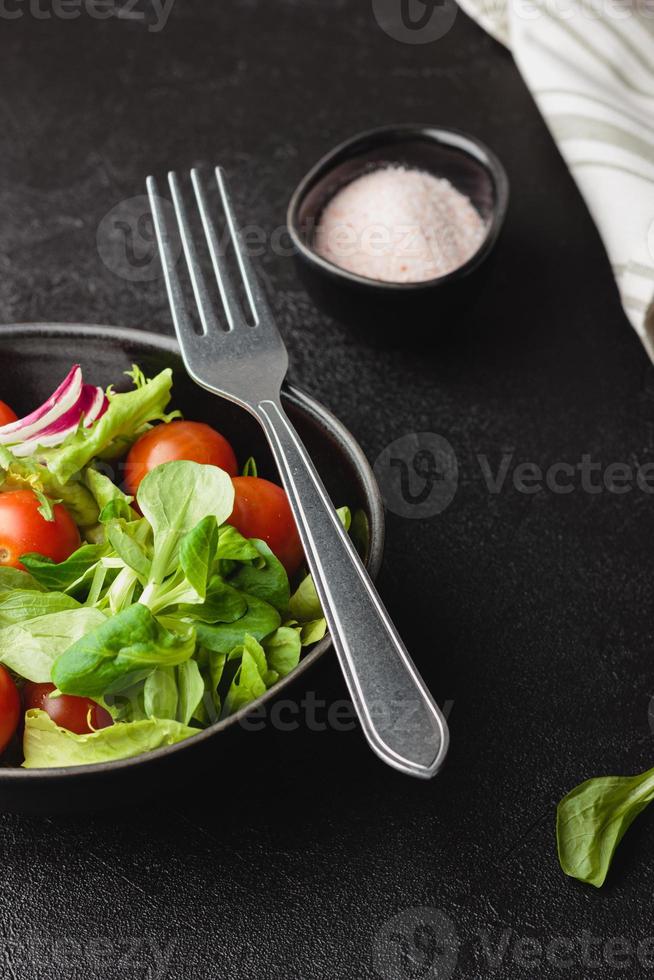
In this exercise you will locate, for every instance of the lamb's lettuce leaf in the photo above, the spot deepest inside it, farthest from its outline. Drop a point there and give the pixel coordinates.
(15, 578)
(222, 603)
(174, 498)
(63, 575)
(313, 631)
(212, 668)
(111, 500)
(190, 686)
(232, 546)
(18, 605)
(264, 578)
(360, 532)
(31, 647)
(160, 695)
(304, 604)
(197, 551)
(45, 745)
(128, 544)
(120, 652)
(260, 619)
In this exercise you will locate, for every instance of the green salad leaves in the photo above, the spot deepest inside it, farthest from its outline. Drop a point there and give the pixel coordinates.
(166, 615)
(171, 621)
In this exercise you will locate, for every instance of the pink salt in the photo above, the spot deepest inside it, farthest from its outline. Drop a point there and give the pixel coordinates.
(399, 225)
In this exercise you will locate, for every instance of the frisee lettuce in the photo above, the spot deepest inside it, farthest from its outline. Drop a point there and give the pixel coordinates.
(126, 418)
(46, 745)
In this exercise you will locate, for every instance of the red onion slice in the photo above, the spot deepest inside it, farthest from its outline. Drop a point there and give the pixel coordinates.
(92, 403)
(98, 407)
(60, 401)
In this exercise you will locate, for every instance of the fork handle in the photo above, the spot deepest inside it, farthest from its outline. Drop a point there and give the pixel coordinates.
(399, 717)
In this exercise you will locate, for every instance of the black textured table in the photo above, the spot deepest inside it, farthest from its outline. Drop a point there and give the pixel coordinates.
(529, 614)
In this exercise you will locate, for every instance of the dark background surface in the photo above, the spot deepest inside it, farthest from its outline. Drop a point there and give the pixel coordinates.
(532, 614)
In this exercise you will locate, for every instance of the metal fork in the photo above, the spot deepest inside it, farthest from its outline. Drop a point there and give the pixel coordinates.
(247, 364)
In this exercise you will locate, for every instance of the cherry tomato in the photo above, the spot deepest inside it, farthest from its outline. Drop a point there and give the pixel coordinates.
(195, 441)
(261, 510)
(9, 708)
(23, 529)
(7, 414)
(67, 710)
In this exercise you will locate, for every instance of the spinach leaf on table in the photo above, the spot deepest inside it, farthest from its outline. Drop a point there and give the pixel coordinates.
(592, 820)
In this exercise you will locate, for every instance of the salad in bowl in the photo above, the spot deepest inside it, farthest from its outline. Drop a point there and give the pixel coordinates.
(149, 587)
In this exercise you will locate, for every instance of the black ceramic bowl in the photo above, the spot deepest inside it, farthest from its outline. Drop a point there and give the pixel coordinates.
(34, 358)
(470, 167)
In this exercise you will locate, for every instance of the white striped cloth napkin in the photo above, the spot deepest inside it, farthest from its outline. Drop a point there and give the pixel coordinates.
(590, 67)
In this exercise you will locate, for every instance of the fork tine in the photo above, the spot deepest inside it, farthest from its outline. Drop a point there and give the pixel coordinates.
(225, 284)
(200, 291)
(181, 318)
(255, 294)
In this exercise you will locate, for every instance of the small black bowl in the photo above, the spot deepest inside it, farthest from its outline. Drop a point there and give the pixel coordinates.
(470, 167)
(34, 358)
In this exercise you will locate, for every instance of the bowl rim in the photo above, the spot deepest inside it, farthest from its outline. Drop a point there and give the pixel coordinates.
(300, 399)
(396, 134)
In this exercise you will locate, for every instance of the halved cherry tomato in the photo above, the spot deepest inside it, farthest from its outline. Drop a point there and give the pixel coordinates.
(9, 708)
(7, 414)
(78, 715)
(261, 510)
(23, 529)
(194, 441)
